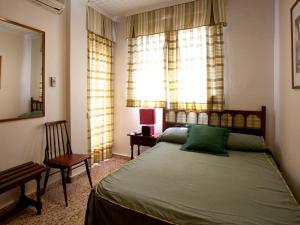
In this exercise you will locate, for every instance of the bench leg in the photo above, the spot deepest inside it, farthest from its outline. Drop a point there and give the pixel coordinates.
(22, 190)
(88, 172)
(46, 181)
(23, 196)
(38, 196)
(64, 185)
(26, 201)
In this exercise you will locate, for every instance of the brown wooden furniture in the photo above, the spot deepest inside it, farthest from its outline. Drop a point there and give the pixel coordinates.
(58, 153)
(237, 121)
(18, 176)
(36, 105)
(138, 139)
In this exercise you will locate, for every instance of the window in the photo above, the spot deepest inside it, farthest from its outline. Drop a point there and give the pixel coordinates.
(179, 70)
(149, 73)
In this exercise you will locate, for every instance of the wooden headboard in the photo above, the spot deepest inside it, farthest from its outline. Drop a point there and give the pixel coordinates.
(36, 105)
(238, 121)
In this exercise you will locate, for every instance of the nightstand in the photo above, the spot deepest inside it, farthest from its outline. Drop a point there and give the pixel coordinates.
(140, 140)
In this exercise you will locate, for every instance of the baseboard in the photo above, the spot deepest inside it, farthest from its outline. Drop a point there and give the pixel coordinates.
(81, 171)
(78, 172)
(127, 157)
(12, 203)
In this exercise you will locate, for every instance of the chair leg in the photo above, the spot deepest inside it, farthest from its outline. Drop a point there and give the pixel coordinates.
(68, 179)
(64, 185)
(88, 172)
(46, 181)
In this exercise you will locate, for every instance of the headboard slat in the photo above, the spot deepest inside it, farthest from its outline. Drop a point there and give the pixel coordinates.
(243, 128)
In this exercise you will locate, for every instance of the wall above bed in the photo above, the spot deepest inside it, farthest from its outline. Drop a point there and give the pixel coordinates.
(287, 101)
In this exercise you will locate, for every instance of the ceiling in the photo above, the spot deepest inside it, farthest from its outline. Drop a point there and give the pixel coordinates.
(116, 8)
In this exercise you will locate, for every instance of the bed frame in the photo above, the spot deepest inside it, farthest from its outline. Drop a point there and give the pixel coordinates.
(36, 105)
(237, 121)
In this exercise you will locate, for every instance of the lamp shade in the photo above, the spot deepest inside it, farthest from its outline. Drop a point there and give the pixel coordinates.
(147, 116)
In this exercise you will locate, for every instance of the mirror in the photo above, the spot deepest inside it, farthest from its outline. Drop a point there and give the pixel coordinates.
(22, 71)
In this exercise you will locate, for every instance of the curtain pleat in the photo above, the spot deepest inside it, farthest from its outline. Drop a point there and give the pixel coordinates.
(187, 72)
(101, 25)
(146, 82)
(100, 97)
(41, 77)
(215, 67)
(179, 17)
(41, 88)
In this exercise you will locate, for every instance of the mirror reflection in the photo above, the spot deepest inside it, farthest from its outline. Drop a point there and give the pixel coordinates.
(21, 71)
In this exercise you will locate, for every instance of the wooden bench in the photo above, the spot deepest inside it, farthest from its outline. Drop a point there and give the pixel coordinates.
(18, 176)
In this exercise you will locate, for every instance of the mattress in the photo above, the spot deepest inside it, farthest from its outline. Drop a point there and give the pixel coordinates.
(166, 185)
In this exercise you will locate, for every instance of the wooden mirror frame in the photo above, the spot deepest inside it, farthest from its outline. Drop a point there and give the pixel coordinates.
(43, 70)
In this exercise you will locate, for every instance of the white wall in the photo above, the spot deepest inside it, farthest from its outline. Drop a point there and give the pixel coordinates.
(126, 120)
(26, 75)
(77, 51)
(23, 140)
(249, 59)
(249, 67)
(289, 111)
(77, 77)
(12, 54)
(36, 67)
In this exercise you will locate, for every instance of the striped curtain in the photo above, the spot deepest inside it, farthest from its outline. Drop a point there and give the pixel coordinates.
(178, 17)
(215, 67)
(41, 75)
(176, 57)
(196, 69)
(41, 88)
(146, 83)
(187, 69)
(100, 24)
(100, 97)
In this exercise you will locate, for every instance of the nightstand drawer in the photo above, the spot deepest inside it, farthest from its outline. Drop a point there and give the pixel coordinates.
(145, 141)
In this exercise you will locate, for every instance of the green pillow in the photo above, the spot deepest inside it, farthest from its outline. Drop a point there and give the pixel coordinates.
(202, 138)
(176, 135)
(246, 142)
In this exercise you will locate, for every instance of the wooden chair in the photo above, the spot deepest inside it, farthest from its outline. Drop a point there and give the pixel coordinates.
(58, 153)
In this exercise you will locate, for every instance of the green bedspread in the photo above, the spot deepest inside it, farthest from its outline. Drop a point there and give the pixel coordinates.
(194, 188)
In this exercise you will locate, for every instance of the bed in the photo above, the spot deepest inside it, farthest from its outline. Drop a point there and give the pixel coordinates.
(36, 109)
(166, 185)
(36, 105)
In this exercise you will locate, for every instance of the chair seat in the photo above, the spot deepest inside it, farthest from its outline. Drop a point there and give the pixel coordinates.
(68, 160)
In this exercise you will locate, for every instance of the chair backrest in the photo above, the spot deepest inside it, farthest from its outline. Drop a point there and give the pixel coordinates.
(57, 137)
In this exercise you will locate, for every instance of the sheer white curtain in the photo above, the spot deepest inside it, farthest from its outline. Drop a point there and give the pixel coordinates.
(187, 69)
(147, 83)
(192, 73)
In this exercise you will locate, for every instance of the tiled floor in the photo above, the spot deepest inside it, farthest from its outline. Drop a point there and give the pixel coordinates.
(54, 210)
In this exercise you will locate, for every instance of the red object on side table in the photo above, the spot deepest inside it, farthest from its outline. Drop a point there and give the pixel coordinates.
(147, 117)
